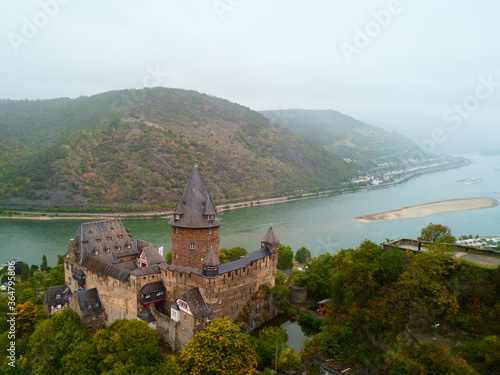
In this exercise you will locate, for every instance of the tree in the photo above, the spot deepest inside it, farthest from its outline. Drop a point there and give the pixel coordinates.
(429, 358)
(317, 277)
(437, 233)
(50, 340)
(237, 252)
(220, 349)
(55, 276)
(28, 314)
(168, 257)
(44, 267)
(302, 255)
(285, 258)
(270, 339)
(126, 347)
(60, 259)
(224, 255)
(289, 360)
(25, 293)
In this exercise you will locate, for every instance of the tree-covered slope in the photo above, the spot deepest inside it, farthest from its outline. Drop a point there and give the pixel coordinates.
(346, 136)
(139, 146)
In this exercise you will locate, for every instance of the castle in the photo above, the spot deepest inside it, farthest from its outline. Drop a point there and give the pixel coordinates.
(114, 276)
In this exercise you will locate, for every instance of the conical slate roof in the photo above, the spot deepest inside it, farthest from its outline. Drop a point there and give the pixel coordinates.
(211, 259)
(270, 237)
(195, 208)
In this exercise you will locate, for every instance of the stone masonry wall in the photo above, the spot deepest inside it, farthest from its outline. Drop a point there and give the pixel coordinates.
(182, 255)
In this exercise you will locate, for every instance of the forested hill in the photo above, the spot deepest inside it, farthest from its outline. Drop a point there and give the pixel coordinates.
(138, 147)
(346, 136)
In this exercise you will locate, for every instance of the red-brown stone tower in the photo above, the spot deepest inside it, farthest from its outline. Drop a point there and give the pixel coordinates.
(195, 225)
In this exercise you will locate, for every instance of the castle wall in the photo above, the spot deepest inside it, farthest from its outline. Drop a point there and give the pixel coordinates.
(119, 298)
(183, 255)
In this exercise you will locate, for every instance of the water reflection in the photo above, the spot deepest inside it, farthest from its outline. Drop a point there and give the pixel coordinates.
(297, 332)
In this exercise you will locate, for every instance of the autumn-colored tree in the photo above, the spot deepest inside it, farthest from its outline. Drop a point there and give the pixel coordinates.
(224, 255)
(437, 233)
(289, 360)
(221, 349)
(28, 314)
(429, 359)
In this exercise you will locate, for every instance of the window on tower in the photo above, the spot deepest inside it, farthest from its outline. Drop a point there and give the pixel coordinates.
(191, 245)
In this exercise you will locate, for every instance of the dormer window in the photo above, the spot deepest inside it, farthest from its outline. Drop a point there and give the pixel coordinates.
(129, 246)
(120, 236)
(96, 252)
(97, 240)
(110, 238)
(107, 250)
(177, 216)
(119, 248)
(58, 296)
(209, 217)
(85, 242)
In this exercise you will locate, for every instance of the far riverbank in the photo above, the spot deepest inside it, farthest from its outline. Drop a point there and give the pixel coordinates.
(43, 215)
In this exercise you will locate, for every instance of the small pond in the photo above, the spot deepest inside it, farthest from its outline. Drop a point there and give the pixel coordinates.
(297, 332)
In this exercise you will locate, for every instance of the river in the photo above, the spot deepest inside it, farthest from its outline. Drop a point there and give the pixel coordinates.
(322, 225)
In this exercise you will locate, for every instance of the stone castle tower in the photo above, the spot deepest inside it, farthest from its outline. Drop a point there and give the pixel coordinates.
(195, 225)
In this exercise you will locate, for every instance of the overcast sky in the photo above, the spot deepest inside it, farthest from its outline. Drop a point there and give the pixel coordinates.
(429, 69)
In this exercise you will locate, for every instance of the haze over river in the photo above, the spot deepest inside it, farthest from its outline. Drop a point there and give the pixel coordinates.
(322, 225)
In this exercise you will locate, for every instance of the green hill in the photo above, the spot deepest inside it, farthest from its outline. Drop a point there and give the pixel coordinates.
(136, 148)
(345, 136)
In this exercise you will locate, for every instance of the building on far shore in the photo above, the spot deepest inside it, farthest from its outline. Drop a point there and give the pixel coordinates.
(114, 276)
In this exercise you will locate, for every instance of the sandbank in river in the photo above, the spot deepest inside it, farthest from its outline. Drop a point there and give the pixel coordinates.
(431, 209)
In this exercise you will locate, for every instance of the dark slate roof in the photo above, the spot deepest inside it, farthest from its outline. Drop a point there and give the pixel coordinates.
(244, 262)
(89, 301)
(108, 237)
(130, 265)
(153, 287)
(270, 237)
(196, 302)
(153, 256)
(147, 316)
(103, 268)
(193, 205)
(78, 271)
(63, 291)
(143, 271)
(180, 269)
(211, 259)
